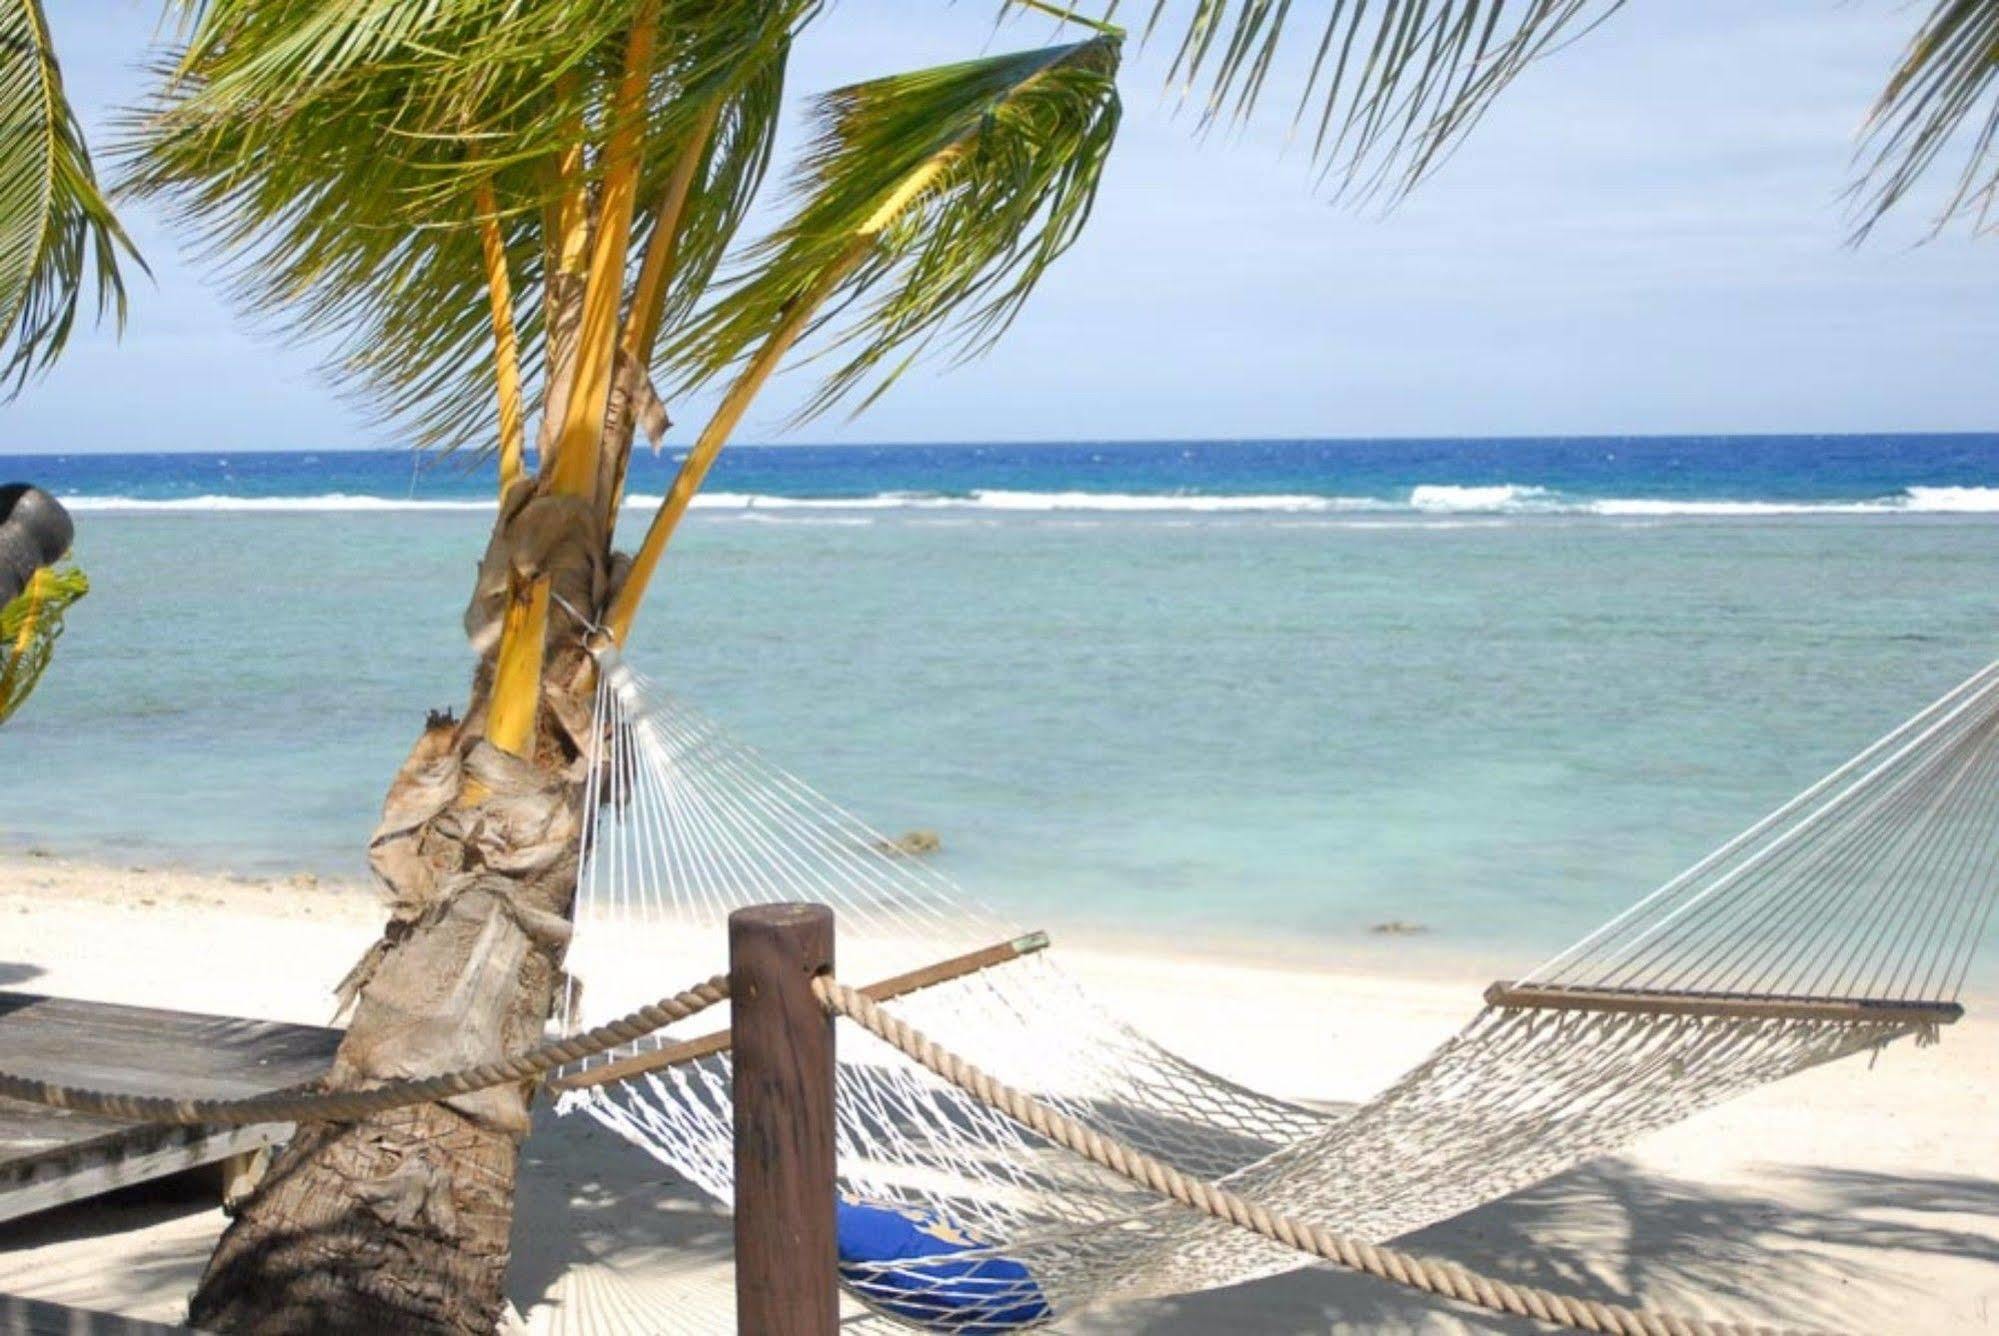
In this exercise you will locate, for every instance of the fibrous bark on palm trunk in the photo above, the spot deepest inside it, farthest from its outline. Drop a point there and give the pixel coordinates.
(400, 1222)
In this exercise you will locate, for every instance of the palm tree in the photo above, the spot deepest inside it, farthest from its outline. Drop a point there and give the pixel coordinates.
(525, 215)
(57, 236)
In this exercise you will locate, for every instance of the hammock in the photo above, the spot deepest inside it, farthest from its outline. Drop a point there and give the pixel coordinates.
(1841, 922)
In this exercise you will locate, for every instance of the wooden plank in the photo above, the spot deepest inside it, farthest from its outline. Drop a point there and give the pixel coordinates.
(138, 1156)
(1728, 1005)
(81, 1042)
(36, 1317)
(52, 1156)
(883, 990)
(787, 1258)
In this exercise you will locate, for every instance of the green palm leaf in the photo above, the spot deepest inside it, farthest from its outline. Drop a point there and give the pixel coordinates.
(30, 626)
(56, 231)
(1943, 88)
(965, 182)
(327, 157)
(1392, 85)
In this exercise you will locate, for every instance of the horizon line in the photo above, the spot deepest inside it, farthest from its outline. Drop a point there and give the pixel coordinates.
(471, 454)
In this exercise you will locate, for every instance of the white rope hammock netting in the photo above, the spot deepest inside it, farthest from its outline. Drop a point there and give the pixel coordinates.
(1843, 921)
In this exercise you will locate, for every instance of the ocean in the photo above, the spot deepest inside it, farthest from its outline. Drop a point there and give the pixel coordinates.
(1274, 693)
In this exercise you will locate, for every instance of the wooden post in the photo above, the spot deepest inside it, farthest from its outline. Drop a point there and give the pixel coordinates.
(787, 1281)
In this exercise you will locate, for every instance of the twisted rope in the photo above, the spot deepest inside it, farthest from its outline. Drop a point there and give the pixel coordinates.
(345, 1105)
(1430, 1275)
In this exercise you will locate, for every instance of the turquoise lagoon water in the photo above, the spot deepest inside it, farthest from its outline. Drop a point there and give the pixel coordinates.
(1500, 720)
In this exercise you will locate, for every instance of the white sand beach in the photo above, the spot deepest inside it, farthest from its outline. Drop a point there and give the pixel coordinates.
(1859, 1198)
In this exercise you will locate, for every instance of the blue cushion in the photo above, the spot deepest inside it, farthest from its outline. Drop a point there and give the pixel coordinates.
(984, 1294)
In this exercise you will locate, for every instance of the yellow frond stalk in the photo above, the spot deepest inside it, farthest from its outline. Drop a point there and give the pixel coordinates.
(565, 226)
(517, 675)
(36, 594)
(663, 249)
(729, 414)
(701, 457)
(906, 194)
(506, 343)
(567, 221)
(648, 305)
(510, 717)
(575, 470)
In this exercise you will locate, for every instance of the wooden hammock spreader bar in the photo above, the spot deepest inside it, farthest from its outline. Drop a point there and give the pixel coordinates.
(1743, 1006)
(882, 990)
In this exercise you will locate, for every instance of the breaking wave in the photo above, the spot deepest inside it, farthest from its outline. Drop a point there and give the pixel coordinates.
(1425, 499)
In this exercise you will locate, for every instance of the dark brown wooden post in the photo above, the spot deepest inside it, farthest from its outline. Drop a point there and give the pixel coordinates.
(786, 1246)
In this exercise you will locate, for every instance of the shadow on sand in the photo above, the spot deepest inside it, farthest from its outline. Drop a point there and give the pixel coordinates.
(1805, 1248)
(1826, 1253)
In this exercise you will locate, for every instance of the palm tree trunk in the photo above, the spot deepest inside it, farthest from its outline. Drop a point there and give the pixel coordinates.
(400, 1222)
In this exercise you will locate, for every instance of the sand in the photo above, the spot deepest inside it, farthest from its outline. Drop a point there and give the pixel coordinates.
(1859, 1198)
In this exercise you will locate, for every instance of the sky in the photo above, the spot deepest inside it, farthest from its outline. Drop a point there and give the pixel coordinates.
(1646, 236)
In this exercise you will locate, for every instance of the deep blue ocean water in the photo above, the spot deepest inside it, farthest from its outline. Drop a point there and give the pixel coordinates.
(1271, 691)
(1606, 475)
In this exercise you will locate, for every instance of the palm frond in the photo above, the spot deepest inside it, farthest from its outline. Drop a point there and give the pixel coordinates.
(964, 182)
(29, 628)
(259, 52)
(1391, 86)
(1942, 94)
(328, 158)
(732, 171)
(57, 234)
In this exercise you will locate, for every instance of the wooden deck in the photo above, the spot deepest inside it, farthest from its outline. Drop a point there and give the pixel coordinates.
(31, 1317)
(51, 1156)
